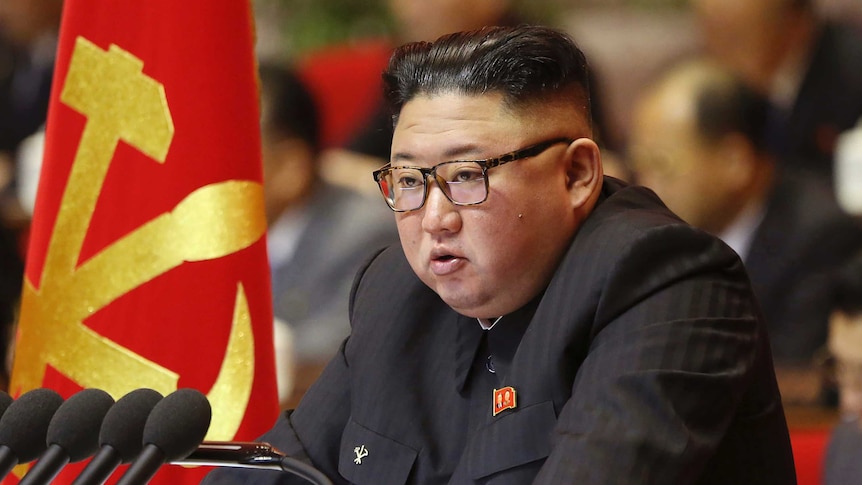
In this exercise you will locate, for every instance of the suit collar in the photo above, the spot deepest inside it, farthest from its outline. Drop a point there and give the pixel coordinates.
(503, 339)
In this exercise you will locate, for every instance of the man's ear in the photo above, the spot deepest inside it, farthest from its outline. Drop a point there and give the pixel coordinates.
(584, 174)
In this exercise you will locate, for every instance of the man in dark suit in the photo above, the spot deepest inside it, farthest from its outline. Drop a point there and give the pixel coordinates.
(808, 67)
(622, 345)
(699, 143)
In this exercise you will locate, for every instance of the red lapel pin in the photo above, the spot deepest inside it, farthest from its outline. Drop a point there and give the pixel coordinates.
(504, 399)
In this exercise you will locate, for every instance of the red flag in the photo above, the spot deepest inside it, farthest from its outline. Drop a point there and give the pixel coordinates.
(147, 263)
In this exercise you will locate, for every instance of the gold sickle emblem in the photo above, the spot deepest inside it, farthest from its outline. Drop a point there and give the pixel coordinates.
(121, 103)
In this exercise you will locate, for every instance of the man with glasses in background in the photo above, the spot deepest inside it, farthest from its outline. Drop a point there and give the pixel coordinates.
(539, 322)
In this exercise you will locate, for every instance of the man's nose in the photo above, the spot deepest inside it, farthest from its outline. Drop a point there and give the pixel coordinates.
(441, 215)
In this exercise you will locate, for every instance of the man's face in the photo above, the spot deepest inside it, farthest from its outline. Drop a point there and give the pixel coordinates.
(669, 157)
(744, 34)
(490, 259)
(288, 173)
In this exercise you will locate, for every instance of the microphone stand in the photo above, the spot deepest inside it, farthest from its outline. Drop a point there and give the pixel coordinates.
(254, 455)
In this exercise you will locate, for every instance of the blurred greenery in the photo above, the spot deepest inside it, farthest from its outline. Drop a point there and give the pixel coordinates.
(310, 24)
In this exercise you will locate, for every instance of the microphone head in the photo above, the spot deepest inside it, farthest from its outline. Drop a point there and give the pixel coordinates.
(24, 425)
(178, 423)
(75, 425)
(123, 427)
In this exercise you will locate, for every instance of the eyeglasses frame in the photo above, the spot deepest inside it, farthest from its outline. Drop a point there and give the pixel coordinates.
(486, 164)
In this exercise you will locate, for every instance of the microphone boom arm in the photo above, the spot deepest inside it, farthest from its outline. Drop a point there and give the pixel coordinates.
(254, 455)
(236, 454)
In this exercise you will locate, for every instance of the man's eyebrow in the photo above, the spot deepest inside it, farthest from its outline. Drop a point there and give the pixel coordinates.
(459, 152)
(462, 152)
(401, 157)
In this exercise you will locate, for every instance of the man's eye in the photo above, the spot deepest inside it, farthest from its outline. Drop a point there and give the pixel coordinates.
(408, 181)
(467, 175)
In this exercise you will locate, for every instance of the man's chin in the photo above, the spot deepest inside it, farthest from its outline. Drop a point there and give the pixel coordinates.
(459, 301)
(468, 304)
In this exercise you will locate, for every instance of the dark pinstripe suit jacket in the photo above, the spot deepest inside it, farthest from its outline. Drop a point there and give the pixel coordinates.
(645, 362)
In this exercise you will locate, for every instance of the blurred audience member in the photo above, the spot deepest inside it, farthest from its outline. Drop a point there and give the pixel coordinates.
(319, 234)
(844, 454)
(29, 27)
(810, 69)
(698, 141)
(426, 20)
(28, 43)
(367, 148)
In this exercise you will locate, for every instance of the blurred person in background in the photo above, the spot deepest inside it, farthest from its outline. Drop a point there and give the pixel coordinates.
(425, 20)
(843, 463)
(420, 20)
(318, 234)
(28, 43)
(367, 148)
(810, 69)
(698, 141)
(29, 28)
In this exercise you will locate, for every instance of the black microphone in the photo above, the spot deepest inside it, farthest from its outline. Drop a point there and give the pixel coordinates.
(121, 437)
(255, 455)
(24, 427)
(173, 431)
(73, 434)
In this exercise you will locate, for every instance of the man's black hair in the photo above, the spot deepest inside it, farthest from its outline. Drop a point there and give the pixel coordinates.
(525, 64)
(725, 105)
(292, 110)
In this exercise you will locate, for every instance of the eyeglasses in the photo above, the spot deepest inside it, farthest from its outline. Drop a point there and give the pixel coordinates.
(463, 182)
